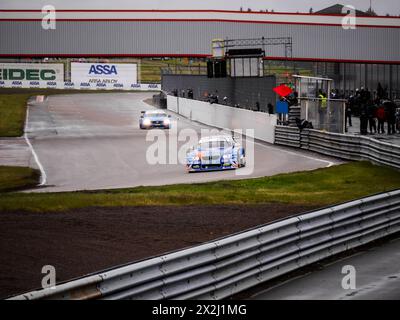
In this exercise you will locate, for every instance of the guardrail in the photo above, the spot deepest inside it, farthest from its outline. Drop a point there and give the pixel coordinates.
(287, 136)
(219, 269)
(340, 145)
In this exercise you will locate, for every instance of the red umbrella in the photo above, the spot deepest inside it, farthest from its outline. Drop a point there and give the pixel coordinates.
(283, 90)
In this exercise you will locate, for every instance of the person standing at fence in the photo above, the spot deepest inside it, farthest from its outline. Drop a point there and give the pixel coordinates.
(190, 93)
(216, 97)
(323, 99)
(381, 116)
(390, 107)
(371, 113)
(363, 104)
(270, 108)
(363, 119)
(293, 98)
(398, 119)
(348, 113)
(322, 109)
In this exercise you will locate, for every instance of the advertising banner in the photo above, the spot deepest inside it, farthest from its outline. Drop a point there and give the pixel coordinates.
(79, 85)
(98, 75)
(31, 72)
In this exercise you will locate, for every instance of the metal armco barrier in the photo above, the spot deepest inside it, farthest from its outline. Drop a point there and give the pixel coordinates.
(288, 136)
(219, 269)
(340, 145)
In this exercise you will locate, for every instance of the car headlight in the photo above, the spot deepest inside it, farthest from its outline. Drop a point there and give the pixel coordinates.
(167, 122)
(146, 122)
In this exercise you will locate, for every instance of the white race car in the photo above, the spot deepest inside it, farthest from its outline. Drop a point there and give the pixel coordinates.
(154, 119)
(216, 153)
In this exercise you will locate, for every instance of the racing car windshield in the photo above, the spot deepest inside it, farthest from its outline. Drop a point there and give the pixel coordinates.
(214, 144)
(156, 115)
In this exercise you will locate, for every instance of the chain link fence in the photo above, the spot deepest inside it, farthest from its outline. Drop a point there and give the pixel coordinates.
(326, 115)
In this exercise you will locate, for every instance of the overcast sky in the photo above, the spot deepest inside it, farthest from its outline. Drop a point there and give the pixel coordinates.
(380, 6)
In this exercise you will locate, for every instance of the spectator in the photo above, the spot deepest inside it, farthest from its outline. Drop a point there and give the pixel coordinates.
(348, 114)
(225, 100)
(270, 108)
(371, 113)
(216, 98)
(292, 99)
(363, 119)
(323, 99)
(380, 114)
(367, 95)
(322, 117)
(303, 124)
(190, 93)
(390, 109)
(258, 106)
(356, 102)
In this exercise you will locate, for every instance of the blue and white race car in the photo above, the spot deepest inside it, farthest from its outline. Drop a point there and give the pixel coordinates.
(154, 119)
(215, 153)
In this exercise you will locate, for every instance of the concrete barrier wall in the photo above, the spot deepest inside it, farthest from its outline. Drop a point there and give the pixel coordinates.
(225, 117)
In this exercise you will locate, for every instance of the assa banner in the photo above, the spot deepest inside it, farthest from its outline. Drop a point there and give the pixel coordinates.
(100, 74)
(31, 72)
(79, 86)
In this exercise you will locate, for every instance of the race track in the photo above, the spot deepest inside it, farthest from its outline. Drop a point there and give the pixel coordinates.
(377, 277)
(93, 141)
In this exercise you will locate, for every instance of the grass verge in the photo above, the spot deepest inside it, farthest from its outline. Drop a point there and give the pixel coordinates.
(320, 187)
(17, 178)
(12, 114)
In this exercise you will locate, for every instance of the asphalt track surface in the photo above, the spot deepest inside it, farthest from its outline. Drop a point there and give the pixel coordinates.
(93, 141)
(377, 278)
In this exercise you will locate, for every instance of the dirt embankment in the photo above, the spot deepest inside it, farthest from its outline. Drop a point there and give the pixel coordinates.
(82, 241)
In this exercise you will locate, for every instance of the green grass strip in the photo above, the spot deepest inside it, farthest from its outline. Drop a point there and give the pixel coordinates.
(17, 178)
(320, 187)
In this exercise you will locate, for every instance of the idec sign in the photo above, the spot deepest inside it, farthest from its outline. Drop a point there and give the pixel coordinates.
(31, 72)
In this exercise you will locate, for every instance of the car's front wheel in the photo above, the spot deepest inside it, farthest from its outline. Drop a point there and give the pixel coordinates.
(241, 159)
